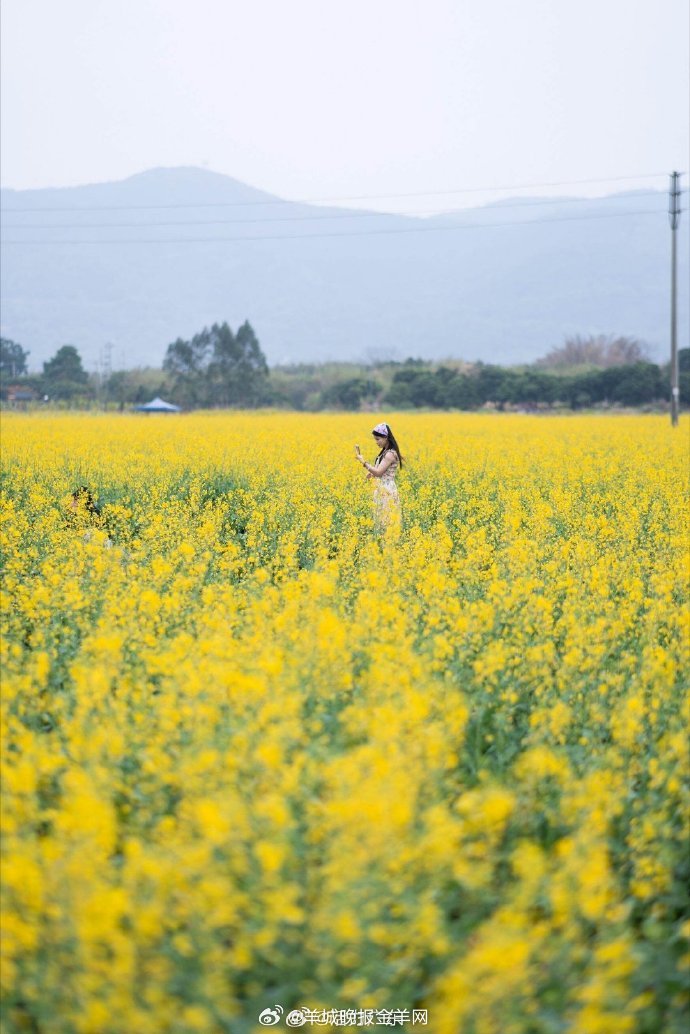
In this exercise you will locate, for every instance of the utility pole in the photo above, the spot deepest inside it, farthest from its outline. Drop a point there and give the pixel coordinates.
(674, 219)
(108, 359)
(106, 371)
(98, 379)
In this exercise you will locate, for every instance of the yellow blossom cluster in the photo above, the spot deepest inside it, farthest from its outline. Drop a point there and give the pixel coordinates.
(255, 753)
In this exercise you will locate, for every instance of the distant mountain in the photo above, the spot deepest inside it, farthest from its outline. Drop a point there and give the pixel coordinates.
(162, 254)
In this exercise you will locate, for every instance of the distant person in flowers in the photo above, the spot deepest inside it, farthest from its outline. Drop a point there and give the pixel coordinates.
(83, 503)
(86, 514)
(383, 469)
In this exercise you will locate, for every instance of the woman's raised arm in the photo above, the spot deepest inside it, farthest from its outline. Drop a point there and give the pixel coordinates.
(383, 466)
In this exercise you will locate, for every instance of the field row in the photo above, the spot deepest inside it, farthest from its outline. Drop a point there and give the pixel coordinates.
(254, 754)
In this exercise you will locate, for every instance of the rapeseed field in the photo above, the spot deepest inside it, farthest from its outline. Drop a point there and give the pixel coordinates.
(257, 759)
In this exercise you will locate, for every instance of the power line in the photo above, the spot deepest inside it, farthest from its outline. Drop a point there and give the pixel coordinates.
(310, 218)
(333, 200)
(317, 236)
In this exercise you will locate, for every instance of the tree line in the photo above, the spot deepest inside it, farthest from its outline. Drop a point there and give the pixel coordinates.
(632, 384)
(216, 368)
(219, 368)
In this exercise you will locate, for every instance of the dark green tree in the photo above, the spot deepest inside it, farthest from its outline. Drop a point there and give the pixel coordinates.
(439, 388)
(12, 360)
(64, 377)
(444, 388)
(117, 388)
(532, 386)
(238, 370)
(218, 368)
(461, 392)
(416, 385)
(187, 362)
(494, 384)
(633, 384)
(403, 390)
(351, 393)
(684, 375)
(639, 383)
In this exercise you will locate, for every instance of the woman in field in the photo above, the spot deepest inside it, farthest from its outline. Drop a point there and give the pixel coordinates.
(86, 515)
(82, 503)
(384, 469)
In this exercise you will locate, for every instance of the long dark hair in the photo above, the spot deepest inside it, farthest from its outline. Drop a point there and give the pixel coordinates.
(83, 494)
(391, 444)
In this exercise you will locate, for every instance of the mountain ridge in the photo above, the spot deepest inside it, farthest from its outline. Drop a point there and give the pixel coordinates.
(503, 282)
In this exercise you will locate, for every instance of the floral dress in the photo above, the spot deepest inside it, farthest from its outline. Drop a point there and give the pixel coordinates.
(386, 500)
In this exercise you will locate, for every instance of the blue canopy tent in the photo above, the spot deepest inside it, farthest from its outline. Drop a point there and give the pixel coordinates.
(158, 405)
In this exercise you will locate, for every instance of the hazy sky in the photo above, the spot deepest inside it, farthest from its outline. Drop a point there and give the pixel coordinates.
(332, 98)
